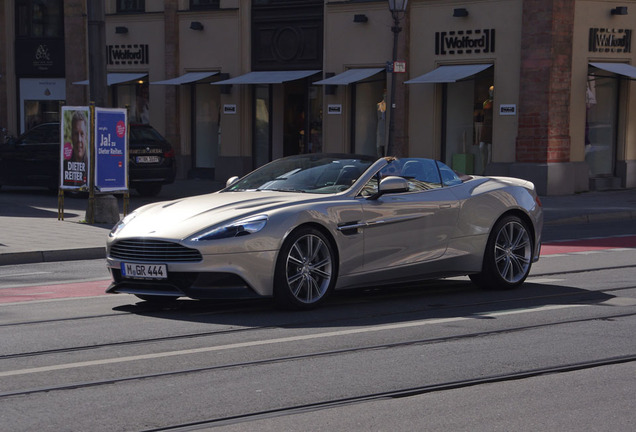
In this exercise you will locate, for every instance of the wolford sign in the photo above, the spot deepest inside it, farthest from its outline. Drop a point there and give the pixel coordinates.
(133, 54)
(610, 40)
(465, 42)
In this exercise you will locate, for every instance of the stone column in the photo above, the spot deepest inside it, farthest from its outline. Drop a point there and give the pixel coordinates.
(543, 140)
(76, 54)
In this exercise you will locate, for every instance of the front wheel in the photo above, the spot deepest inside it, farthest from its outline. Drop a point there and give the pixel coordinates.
(508, 255)
(306, 270)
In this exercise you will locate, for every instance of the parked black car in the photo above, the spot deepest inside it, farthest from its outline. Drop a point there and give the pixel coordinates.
(151, 162)
(33, 159)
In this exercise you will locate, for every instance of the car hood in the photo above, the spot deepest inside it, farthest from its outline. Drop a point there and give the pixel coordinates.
(182, 218)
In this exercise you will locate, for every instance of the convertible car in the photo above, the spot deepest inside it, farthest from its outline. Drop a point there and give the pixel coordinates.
(300, 227)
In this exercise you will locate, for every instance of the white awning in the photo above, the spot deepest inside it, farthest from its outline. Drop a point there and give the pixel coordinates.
(617, 68)
(350, 76)
(117, 78)
(449, 74)
(268, 77)
(186, 78)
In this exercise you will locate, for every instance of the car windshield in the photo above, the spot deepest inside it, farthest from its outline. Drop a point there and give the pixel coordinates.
(144, 134)
(312, 173)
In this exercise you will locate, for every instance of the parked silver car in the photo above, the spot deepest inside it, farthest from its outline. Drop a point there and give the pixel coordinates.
(302, 226)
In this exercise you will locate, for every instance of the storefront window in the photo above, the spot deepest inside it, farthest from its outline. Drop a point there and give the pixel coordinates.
(262, 125)
(126, 6)
(40, 18)
(370, 118)
(468, 123)
(204, 4)
(315, 120)
(136, 97)
(206, 127)
(37, 112)
(601, 122)
(40, 100)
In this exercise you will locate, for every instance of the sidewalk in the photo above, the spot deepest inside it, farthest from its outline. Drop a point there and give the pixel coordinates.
(30, 231)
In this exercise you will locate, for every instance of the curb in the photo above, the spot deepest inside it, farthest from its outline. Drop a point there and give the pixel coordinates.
(594, 218)
(53, 256)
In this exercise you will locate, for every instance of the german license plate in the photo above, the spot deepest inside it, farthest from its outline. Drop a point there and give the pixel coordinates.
(147, 159)
(144, 271)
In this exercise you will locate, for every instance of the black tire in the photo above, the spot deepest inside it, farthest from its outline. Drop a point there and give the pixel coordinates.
(148, 189)
(157, 299)
(306, 270)
(508, 255)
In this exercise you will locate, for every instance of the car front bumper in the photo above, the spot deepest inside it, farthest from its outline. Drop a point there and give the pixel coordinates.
(239, 275)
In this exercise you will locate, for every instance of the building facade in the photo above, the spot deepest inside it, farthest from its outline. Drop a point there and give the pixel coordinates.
(537, 89)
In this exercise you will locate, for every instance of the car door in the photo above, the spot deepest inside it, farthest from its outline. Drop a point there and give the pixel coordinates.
(408, 228)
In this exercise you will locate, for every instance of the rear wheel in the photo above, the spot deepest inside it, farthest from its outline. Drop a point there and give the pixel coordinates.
(305, 271)
(508, 255)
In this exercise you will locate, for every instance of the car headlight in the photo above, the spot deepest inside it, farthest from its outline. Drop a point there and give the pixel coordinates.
(121, 224)
(237, 228)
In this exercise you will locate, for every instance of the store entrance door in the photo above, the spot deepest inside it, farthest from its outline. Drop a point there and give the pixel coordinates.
(302, 114)
(295, 118)
(467, 123)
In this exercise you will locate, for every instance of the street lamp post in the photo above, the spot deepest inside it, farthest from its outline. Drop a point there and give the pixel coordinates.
(398, 9)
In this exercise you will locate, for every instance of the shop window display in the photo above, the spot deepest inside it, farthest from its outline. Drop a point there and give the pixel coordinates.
(468, 123)
(136, 98)
(601, 123)
(370, 118)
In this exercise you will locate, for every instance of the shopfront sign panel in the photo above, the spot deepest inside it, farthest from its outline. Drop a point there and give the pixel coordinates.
(39, 57)
(605, 40)
(508, 109)
(129, 54)
(465, 42)
(334, 109)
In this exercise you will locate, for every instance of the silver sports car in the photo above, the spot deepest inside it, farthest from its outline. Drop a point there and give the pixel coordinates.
(302, 226)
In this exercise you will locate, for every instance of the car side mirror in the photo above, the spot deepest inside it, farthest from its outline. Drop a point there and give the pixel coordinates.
(231, 181)
(391, 184)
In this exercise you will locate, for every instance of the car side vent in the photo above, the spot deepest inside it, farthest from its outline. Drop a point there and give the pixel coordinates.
(153, 251)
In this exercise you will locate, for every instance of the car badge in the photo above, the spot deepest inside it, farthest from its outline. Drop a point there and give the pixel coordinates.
(148, 149)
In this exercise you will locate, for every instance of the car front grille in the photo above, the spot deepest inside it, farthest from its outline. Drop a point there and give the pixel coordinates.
(153, 251)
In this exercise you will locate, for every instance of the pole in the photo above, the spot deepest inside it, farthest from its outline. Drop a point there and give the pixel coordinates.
(391, 150)
(96, 52)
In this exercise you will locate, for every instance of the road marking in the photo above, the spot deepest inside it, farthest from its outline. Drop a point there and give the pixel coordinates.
(543, 280)
(250, 344)
(22, 274)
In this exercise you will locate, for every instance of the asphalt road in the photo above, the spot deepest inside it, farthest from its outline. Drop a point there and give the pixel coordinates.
(556, 354)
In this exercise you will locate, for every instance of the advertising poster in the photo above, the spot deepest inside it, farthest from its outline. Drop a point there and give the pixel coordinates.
(75, 147)
(111, 149)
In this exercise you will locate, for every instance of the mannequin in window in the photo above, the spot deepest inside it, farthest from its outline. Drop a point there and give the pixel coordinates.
(485, 142)
(380, 138)
(590, 101)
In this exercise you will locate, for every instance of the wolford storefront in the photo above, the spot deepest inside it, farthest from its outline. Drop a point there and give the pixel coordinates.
(464, 83)
(489, 96)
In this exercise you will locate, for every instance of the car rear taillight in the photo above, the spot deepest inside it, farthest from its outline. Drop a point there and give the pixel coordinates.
(169, 154)
(538, 201)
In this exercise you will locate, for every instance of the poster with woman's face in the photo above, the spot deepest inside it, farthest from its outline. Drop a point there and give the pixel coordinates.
(75, 147)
